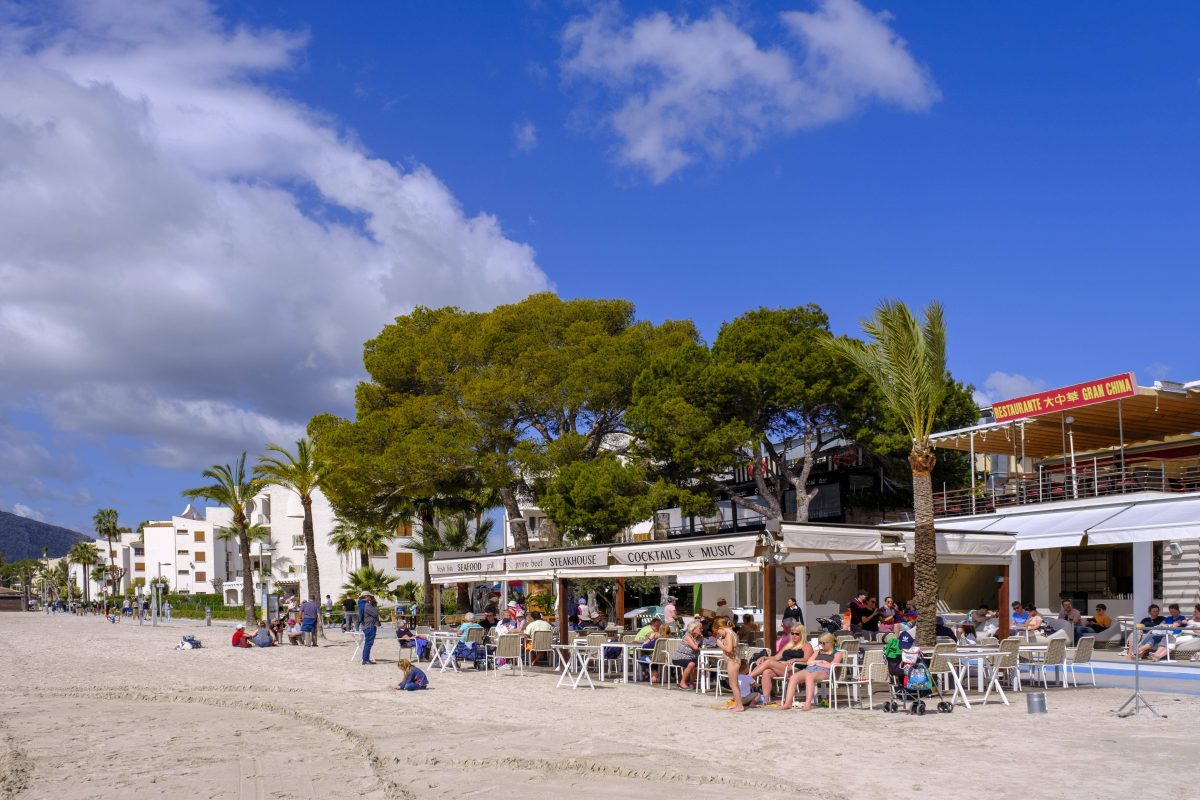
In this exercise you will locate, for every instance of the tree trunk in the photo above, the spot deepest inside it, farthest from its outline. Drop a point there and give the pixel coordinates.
(925, 571)
(516, 522)
(311, 568)
(247, 578)
(428, 523)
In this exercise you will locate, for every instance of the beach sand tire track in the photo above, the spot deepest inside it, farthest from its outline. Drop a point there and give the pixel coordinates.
(16, 768)
(358, 741)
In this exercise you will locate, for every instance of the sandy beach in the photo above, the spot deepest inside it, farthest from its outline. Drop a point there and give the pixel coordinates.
(94, 710)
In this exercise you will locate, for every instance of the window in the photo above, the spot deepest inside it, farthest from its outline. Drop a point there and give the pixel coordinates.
(201, 556)
(297, 569)
(201, 577)
(180, 533)
(199, 536)
(182, 552)
(404, 561)
(183, 572)
(298, 542)
(404, 530)
(378, 554)
(139, 566)
(139, 551)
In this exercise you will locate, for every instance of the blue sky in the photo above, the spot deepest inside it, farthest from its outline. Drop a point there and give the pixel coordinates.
(256, 188)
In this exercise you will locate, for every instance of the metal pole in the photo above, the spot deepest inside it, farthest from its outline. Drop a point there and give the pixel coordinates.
(1095, 476)
(1121, 429)
(972, 473)
(1022, 460)
(1074, 474)
(154, 596)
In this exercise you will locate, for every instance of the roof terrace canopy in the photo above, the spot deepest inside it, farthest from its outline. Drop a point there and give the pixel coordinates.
(1151, 415)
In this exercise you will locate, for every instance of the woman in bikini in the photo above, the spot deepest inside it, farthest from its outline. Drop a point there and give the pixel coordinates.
(819, 668)
(768, 669)
(727, 640)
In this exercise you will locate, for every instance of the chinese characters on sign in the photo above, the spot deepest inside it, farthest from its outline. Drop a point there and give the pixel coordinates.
(1066, 398)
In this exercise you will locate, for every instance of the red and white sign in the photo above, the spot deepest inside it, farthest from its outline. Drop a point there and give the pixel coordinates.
(1066, 398)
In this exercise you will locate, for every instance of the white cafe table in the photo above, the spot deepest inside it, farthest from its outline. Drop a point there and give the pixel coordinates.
(574, 658)
(710, 658)
(989, 662)
(441, 649)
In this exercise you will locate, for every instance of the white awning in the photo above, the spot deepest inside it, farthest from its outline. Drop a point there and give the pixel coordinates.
(970, 548)
(687, 554)
(705, 568)
(702, 577)
(562, 562)
(805, 538)
(1039, 530)
(1150, 522)
(464, 570)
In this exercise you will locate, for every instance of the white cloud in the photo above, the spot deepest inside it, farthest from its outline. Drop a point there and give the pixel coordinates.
(1004, 386)
(685, 89)
(22, 510)
(1158, 370)
(525, 136)
(191, 257)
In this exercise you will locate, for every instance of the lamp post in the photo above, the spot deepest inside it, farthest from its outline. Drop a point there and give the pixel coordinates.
(1074, 475)
(265, 572)
(157, 588)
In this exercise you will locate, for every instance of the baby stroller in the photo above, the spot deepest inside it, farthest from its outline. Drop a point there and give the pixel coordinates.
(909, 678)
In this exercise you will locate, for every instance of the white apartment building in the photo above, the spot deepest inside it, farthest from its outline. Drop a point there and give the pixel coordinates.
(283, 558)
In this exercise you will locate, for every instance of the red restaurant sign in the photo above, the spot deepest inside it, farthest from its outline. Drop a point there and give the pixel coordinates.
(1066, 398)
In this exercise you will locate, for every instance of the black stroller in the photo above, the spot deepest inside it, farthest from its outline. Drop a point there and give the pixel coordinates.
(911, 684)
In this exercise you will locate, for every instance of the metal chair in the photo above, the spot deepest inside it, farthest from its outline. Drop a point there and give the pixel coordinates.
(1056, 656)
(872, 674)
(1081, 656)
(543, 642)
(509, 648)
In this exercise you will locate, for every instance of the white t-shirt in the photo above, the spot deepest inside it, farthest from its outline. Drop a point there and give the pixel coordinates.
(584, 616)
(724, 611)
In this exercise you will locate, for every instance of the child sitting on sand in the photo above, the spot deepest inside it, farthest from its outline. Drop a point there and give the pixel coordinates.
(751, 697)
(411, 677)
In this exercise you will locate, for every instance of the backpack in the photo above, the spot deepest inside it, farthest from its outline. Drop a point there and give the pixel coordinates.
(189, 642)
(918, 678)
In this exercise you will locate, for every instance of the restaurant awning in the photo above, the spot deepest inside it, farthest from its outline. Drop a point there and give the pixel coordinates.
(959, 547)
(470, 569)
(702, 554)
(1175, 518)
(561, 562)
(799, 537)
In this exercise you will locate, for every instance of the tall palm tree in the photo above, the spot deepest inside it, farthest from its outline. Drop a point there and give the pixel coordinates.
(349, 537)
(97, 573)
(85, 555)
(300, 472)
(906, 359)
(457, 535)
(232, 487)
(109, 528)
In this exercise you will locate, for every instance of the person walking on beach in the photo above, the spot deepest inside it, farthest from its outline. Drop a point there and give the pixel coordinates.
(308, 620)
(370, 623)
(328, 610)
(166, 609)
(727, 640)
(349, 614)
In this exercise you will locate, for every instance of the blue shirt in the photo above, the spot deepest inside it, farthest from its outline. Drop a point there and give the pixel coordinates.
(1020, 617)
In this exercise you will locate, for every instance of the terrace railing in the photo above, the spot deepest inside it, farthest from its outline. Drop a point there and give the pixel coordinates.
(1091, 478)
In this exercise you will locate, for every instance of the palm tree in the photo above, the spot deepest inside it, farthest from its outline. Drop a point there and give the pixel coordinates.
(368, 579)
(109, 528)
(85, 555)
(348, 537)
(457, 535)
(98, 572)
(302, 474)
(906, 359)
(232, 487)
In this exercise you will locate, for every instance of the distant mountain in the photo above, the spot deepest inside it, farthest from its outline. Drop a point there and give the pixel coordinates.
(21, 537)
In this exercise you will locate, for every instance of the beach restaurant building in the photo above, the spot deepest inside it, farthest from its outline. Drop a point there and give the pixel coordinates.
(786, 547)
(1099, 482)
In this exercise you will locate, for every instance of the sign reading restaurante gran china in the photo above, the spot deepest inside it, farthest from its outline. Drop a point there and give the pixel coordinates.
(1066, 398)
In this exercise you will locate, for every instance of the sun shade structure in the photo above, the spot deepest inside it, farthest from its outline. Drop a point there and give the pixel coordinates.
(1153, 414)
(1140, 517)
(814, 544)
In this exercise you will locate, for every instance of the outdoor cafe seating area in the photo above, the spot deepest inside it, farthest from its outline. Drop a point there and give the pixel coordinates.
(965, 675)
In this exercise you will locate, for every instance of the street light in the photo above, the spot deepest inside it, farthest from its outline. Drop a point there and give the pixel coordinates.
(157, 587)
(265, 571)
